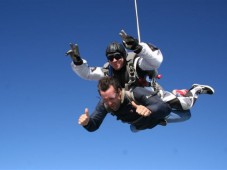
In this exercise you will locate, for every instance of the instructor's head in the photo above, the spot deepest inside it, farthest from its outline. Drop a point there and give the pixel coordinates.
(116, 55)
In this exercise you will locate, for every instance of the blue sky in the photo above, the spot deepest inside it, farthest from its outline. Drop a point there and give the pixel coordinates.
(41, 98)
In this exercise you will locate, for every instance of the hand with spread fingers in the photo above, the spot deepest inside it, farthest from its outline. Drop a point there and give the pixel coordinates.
(75, 54)
(129, 42)
(141, 110)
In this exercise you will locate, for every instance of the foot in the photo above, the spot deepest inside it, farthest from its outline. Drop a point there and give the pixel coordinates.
(203, 89)
(181, 92)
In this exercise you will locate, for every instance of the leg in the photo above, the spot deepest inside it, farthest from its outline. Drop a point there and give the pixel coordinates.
(178, 103)
(188, 97)
(178, 116)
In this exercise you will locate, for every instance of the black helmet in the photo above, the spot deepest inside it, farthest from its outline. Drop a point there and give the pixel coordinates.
(115, 47)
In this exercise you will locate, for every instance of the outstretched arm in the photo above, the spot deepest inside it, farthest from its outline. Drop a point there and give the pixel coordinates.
(150, 60)
(86, 72)
(151, 57)
(158, 108)
(141, 110)
(80, 66)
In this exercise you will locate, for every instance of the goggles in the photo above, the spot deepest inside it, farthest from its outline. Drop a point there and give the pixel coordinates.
(111, 57)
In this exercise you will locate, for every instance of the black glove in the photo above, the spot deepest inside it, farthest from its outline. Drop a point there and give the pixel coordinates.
(130, 43)
(75, 54)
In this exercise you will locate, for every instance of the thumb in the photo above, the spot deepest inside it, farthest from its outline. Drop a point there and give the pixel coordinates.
(86, 112)
(134, 104)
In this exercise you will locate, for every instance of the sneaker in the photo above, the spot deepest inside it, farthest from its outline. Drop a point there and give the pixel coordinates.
(181, 92)
(204, 89)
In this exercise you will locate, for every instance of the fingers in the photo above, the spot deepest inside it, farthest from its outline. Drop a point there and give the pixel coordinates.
(76, 50)
(123, 34)
(73, 46)
(145, 112)
(73, 51)
(69, 52)
(86, 112)
(141, 110)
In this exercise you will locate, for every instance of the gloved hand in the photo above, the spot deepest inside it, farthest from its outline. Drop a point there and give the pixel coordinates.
(75, 54)
(129, 42)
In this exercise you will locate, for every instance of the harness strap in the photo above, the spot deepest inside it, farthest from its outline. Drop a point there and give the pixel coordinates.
(131, 69)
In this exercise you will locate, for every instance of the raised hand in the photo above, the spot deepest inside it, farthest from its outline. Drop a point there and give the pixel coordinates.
(128, 41)
(84, 118)
(141, 110)
(75, 54)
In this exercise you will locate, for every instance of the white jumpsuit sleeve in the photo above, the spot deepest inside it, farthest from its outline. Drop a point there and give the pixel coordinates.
(86, 72)
(149, 60)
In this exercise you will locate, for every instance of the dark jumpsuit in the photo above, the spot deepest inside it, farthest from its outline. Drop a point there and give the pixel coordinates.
(127, 113)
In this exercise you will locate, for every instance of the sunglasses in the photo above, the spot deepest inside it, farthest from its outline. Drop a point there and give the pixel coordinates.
(111, 57)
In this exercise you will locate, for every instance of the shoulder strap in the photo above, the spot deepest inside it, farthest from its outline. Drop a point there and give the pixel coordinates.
(107, 70)
(131, 69)
(130, 96)
(130, 56)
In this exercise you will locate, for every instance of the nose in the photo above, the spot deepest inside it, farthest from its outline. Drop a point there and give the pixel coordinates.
(114, 60)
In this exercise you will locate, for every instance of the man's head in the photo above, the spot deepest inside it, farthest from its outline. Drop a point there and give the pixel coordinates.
(116, 55)
(110, 90)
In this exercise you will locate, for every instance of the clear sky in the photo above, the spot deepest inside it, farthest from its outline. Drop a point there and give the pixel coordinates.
(41, 98)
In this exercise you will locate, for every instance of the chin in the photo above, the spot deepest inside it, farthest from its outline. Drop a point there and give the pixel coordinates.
(118, 68)
(115, 108)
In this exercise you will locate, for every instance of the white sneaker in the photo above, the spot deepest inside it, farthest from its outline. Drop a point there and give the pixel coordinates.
(203, 89)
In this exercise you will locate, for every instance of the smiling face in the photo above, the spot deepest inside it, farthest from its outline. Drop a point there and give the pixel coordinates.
(116, 54)
(117, 64)
(111, 98)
